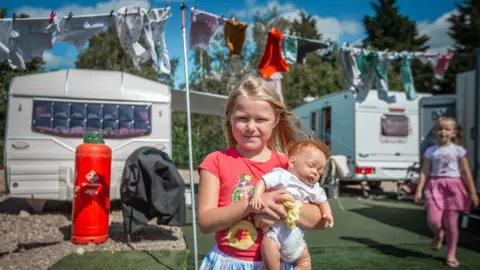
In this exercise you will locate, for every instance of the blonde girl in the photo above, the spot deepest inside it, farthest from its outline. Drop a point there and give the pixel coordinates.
(445, 165)
(258, 130)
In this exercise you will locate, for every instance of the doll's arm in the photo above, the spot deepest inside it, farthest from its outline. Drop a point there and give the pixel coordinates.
(256, 199)
(326, 213)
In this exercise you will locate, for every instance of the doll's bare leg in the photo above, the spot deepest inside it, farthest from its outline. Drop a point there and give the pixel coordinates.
(304, 262)
(270, 254)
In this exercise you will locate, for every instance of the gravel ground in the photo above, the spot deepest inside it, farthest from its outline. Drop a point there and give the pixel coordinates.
(36, 241)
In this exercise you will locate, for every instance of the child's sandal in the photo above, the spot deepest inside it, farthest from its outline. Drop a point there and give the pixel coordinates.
(437, 243)
(452, 263)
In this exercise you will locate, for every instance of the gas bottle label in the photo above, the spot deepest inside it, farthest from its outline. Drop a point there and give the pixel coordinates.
(92, 178)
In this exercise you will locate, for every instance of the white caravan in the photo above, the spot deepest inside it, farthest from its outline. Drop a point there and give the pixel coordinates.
(468, 117)
(48, 113)
(379, 139)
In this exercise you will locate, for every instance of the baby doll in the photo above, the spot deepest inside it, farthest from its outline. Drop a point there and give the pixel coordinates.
(284, 240)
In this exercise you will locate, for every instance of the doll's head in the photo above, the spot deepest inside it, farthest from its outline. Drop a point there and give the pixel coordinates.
(307, 159)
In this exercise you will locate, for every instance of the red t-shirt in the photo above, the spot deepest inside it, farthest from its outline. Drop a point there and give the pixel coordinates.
(238, 175)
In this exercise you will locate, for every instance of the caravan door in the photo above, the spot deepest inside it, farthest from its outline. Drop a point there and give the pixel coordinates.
(430, 109)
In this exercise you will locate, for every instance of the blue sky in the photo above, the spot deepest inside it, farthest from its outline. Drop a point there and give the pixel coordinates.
(340, 20)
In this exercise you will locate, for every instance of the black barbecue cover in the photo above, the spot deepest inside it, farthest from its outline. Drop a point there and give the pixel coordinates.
(151, 187)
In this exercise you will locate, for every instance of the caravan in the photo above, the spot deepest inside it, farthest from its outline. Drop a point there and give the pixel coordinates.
(48, 113)
(379, 139)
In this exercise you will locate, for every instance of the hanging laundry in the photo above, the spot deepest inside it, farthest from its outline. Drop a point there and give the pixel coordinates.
(272, 60)
(234, 35)
(130, 27)
(407, 78)
(347, 57)
(217, 40)
(305, 46)
(374, 66)
(442, 65)
(428, 60)
(276, 81)
(6, 34)
(78, 30)
(202, 27)
(32, 40)
(290, 49)
(158, 20)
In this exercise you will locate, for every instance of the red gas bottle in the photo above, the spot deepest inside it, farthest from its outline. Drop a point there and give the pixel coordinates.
(91, 201)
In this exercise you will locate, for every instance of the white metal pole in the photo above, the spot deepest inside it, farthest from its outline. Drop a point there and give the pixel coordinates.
(189, 127)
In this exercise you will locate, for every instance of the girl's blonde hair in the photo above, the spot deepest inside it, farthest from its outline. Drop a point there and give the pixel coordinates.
(255, 87)
(459, 136)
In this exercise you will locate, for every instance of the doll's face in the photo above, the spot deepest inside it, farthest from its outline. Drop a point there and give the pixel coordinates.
(308, 164)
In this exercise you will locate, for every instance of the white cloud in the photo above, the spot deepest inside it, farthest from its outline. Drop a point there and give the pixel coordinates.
(54, 61)
(252, 8)
(330, 27)
(438, 32)
(99, 8)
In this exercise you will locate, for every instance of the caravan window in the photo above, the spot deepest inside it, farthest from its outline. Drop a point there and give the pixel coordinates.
(71, 119)
(395, 125)
(313, 121)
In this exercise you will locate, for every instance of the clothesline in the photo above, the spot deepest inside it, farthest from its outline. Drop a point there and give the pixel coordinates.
(394, 54)
(326, 43)
(208, 13)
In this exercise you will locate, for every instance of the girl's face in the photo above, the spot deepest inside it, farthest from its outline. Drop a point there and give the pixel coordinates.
(252, 122)
(446, 131)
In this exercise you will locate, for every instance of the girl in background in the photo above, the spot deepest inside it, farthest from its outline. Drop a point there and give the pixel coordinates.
(445, 165)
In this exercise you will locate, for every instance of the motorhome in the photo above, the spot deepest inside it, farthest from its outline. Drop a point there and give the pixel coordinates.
(379, 138)
(48, 113)
(468, 118)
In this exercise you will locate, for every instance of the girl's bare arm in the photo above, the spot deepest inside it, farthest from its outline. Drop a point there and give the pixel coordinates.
(212, 218)
(467, 176)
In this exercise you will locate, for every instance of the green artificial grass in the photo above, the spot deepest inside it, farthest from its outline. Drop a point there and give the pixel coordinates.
(143, 260)
(368, 234)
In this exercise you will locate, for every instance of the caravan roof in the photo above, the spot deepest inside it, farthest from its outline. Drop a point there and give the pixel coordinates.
(112, 85)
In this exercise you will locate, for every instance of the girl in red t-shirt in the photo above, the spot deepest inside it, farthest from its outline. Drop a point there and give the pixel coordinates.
(258, 128)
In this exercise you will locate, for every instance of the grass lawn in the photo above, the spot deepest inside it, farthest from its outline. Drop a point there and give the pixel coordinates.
(368, 234)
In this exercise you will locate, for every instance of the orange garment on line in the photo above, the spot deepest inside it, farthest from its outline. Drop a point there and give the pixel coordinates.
(272, 60)
(234, 34)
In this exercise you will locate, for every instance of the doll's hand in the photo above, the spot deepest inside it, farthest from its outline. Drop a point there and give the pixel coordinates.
(256, 203)
(329, 220)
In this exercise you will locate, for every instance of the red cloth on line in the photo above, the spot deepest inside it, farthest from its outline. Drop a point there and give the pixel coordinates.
(272, 60)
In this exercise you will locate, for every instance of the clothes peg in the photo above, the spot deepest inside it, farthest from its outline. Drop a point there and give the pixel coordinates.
(194, 8)
(126, 9)
(138, 11)
(14, 17)
(70, 15)
(111, 13)
(52, 15)
(166, 6)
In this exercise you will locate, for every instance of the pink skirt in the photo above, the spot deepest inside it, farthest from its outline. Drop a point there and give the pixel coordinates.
(447, 193)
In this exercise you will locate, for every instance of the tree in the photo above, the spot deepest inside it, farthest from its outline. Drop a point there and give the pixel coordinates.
(390, 30)
(6, 75)
(464, 27)
(320, 75)
(305, 26)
